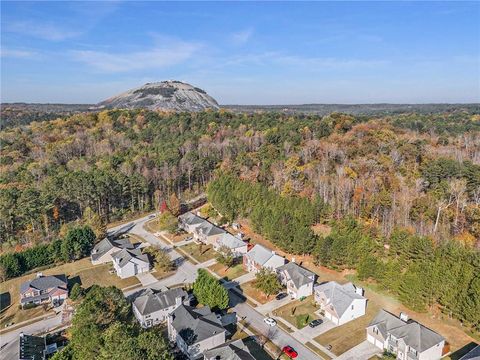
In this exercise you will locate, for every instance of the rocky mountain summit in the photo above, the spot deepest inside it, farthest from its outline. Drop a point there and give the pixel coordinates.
(164, 95)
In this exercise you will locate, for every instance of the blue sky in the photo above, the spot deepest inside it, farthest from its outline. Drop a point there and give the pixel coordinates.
(243, 52)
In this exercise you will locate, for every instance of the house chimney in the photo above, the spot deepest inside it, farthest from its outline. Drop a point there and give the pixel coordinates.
(39, 275)
(293, 260)
(359, 291)
(403, 316)
(273, 252)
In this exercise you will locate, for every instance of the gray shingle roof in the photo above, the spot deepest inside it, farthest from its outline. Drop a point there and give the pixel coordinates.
(231, 350)
(341, 296)
(473, 354)
(191, 219)
(126, 255)
(150, 301)
(413, 334)
(297, 274)
(107, 244)
(45, 282)
(201, 322)
(259, 254)
(208, 229)
(230, 241)
(31, 347)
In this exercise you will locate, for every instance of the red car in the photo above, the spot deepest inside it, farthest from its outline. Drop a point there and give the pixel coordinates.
(290, 352)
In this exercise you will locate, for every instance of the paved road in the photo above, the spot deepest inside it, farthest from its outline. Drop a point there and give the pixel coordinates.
(10, 351)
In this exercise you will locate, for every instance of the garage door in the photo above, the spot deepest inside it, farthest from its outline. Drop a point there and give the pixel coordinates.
(379, 344)
(371, 339)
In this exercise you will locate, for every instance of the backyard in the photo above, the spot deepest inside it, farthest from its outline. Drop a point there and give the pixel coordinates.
(78, 271)
(298, 313)
(199, 252)
(228, 273)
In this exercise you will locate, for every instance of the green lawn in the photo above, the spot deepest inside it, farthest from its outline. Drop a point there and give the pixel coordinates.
(298, 313)
(228, 273)
(345, 337)
(81, 270)
(198, 252)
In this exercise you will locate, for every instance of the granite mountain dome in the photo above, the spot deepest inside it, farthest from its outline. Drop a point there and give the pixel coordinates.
(164, 95)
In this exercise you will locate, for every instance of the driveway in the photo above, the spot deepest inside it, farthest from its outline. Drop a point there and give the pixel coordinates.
(146, 279)
(362, 351)
(273, 305)
(310, 333)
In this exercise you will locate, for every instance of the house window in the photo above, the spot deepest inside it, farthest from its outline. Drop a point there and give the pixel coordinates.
(375, 330)
(352, 307)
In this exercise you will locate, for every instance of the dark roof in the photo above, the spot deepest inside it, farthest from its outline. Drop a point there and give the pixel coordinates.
(191, 219)
(202, 322)
(297, 274)
(209, 229)
(150, 301)
(44, 282)
(107, 244)
(231, 350)
(411, 332)
(473, 354)
(31, 347)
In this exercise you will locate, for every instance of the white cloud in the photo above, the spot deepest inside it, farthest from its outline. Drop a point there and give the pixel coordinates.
(168, 53)
(17, 53)
(44, 31)
(241, 37)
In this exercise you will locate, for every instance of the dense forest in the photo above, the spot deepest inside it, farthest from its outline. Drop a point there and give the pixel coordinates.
(420, 172)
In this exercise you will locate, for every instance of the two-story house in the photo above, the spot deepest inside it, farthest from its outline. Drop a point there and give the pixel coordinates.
(233, 243)
(405, 338)
(128, 262)
(195, 330)
(231, 350)
(298, 281)
(44, 289)
(189, 222)
(207, 233)
(259, 257)
(341, 303)
(152, 307)
(102, 251)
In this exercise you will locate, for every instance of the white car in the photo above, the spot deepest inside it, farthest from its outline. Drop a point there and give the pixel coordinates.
(270, 321)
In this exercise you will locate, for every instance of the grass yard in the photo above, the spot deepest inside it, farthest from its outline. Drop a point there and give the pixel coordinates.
(298, 313)
(248, 289)
(199, 253)
(228, 274)
(317, 351)
(345, 337)
(81, 270)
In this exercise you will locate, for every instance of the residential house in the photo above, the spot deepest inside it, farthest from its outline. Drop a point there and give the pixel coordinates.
(298, 281)
(341, 303)
(237, 246)
(189, 222)
(231, 350)
(44, 289)
(152, 307)
(102, 252)
(473, 354)
(195, 330)
(405, 338)
(128, 262)
(208, 233)
(260, 257)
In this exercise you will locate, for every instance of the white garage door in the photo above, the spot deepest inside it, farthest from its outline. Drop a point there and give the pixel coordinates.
(371, 339)
(379, 344)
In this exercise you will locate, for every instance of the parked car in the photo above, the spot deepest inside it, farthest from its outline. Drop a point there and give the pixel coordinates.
(270, 321)
(315, 323)
(281, 296)
(290, 352)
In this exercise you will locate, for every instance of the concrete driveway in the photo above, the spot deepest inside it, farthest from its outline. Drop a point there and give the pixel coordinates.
(310, 333)
(273, 305)
(146, 279)
(362, 351)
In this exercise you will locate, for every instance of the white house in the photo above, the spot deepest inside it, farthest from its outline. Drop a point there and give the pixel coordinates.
(189, 222)
(130, 262)
(341, 303)
(405, 338)
(237, 246)
(152, 307)
(260, 257)
(102, 252)
(298, 281)
(195, 330)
